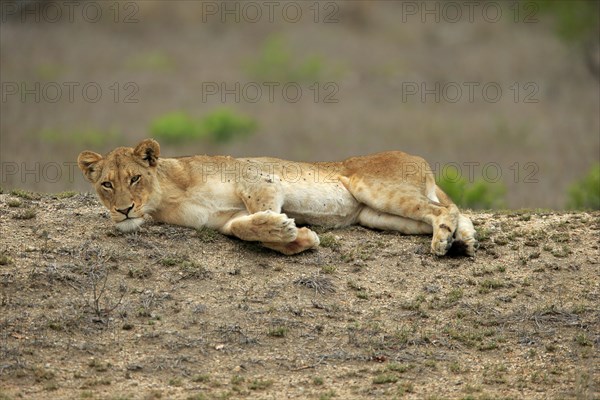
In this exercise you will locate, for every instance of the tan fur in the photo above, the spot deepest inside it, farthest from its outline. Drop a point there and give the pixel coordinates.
(262, 199)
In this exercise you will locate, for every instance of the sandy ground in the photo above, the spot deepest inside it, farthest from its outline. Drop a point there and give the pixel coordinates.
(174, 313)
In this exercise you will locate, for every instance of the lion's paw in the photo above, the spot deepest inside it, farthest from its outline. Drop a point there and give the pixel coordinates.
(442, 240)
(467, 239)
(274, 227)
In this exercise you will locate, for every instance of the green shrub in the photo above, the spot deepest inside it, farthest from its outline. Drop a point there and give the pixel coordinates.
(222, 125)
(574, 20)
(477, 195)
(276, 63)
(152, 61)
(585, 193)
(48, 72)
(176, 127)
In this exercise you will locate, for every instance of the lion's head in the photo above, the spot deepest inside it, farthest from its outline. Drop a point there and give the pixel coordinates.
(124, 179)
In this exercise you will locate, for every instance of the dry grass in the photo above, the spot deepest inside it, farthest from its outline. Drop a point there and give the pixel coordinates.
(86, 311)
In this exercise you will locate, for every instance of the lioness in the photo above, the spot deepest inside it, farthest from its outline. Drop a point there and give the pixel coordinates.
(262, 199)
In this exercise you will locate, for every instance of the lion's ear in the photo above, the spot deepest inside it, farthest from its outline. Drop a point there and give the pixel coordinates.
(88, 163)
(148, 151)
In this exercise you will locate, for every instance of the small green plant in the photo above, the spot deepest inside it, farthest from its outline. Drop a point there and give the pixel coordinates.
(362, 294)
(585, 193)
(51, 386)
(152, 61)
(455, 367)
(220, 126)
(191, 269)
(400, 368)
(477, 195)
(177, 382)
(65, 195)
(207, 235)
(328, 269)
(5, 259)
(455, 295)
(385, 378)
(258, 384)
(582, 340)
(171, 261)
(275, 63)
(488, 285)
(24, 194)
(14, 203)
(202, 378)
(328, 240)
(279, 331)
(328, 395)
(139, 272)
(198, 396)
(25, 214)
(98, 366)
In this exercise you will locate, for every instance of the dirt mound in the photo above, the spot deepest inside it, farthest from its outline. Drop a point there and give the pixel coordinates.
(170, 312)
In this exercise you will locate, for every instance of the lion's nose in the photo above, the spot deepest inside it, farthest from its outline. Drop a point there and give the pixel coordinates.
(125, 211)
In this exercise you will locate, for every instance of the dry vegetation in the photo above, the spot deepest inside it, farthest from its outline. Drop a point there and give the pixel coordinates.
(173, 313)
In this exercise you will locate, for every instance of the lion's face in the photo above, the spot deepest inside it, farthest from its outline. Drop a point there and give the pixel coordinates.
(125, 180)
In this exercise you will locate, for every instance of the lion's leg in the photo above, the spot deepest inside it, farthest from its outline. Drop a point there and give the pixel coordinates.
(265, 223)
(408, 201)
(443, 219)
(389, 222)
(275, 231)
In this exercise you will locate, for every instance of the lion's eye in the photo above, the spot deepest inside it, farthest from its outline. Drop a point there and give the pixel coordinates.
(135, 179)
(107, 185)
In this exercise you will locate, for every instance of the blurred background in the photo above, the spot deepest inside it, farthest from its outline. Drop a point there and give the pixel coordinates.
(501, 97)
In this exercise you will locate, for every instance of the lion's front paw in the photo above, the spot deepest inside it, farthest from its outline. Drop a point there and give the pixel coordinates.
(129, 225)
(442, 240)
(274, 227)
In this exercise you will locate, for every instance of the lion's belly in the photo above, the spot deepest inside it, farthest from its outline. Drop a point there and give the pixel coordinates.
(325, 204)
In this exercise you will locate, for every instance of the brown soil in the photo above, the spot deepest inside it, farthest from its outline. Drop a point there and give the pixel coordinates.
(173, 313)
